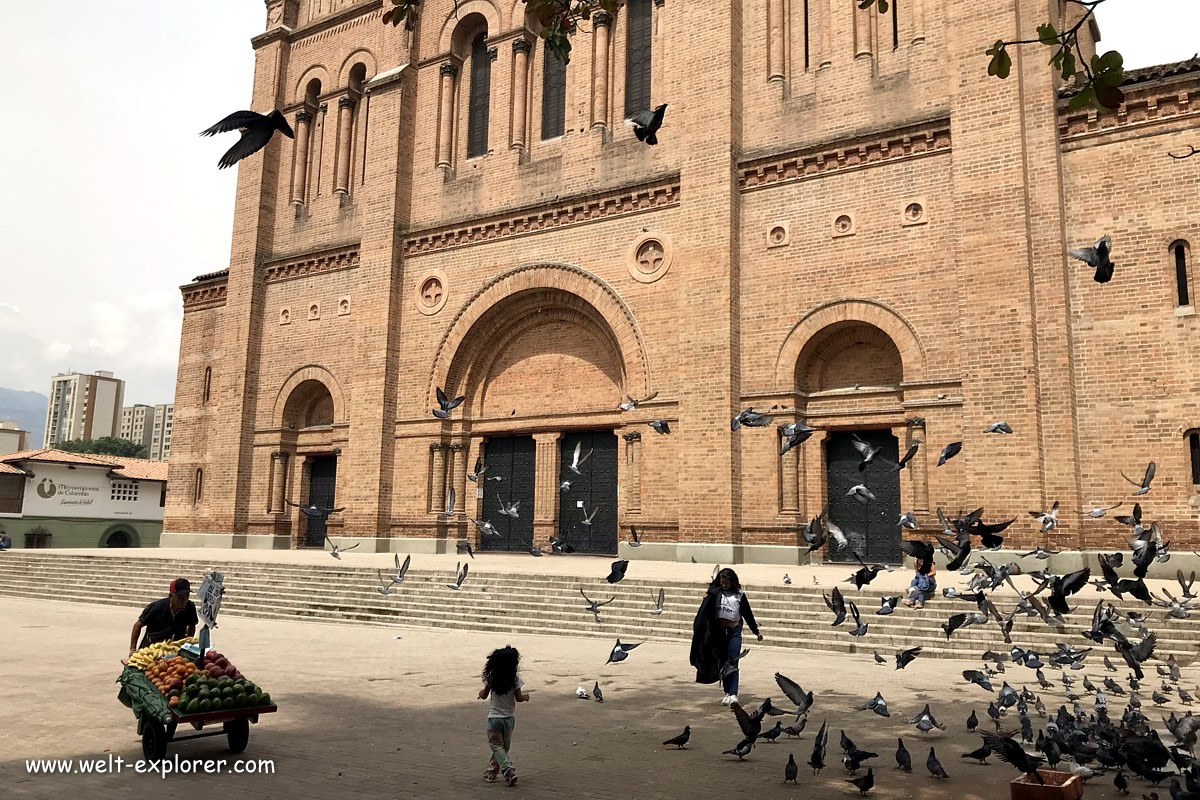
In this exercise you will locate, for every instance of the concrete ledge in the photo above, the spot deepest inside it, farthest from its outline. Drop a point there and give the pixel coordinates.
(706, 552)
(253, 541)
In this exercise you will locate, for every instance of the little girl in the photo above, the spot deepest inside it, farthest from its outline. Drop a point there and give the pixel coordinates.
(500, 680)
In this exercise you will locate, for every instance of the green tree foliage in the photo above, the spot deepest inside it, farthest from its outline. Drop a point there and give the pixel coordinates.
(105, 446)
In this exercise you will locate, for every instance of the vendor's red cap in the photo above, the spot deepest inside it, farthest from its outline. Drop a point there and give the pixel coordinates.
(181, 586)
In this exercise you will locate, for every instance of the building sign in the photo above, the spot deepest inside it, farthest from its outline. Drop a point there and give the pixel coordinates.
(212, 589)
(88, 492)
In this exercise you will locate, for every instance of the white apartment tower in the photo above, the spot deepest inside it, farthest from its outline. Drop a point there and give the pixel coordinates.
(149, 426)
(83, 407)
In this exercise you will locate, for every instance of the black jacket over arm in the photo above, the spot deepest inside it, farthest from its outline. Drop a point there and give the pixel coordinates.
(710, 650)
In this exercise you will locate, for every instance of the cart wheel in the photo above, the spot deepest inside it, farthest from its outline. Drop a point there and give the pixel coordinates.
(238, 731)
(154, 740)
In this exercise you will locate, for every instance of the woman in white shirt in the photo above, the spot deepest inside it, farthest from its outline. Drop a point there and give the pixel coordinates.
(717, 633)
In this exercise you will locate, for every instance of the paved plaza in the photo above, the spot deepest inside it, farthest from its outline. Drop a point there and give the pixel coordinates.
(365, 714)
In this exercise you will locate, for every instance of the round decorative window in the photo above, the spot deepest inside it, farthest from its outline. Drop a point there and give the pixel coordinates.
(650, 257)
(431, 292)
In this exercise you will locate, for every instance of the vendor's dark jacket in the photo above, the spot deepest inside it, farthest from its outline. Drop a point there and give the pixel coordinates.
(710, 646)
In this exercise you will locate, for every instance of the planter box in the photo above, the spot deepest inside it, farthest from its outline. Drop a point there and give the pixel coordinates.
(1058, 786)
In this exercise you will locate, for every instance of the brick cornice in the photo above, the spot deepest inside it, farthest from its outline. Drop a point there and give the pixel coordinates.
(1152, 104)
(198, 297)
(588, 208)
(335, 23)
(887, 147)
(312, 264)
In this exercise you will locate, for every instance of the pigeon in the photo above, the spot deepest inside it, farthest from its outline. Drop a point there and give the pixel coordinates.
(463, 547)
(864, 783)
(384, 587)
(1049, 519)
(972, 722)
(817, 761)
(906, 657)
(1064, 586)
(401, 569)
(925, 722)
(751, 724)
(772, 734)
(903, 759)
(860, 628)
(617, 573)
(861, 493)
(1096, 512)
(949, 452)
(257, 130)
(560, 545)
(887, 605)
(582, 693)
(460, 576)
(587, 518)
(509, 510)
(795, 693)
(658, 603)
(593, 606)
(978, 678)
(909, 520)
(630, 403)
(564, 487)
(998, 427)
(1097, 257)
(578, 460)
(446, 405)
(1121, 782)
(796, 730)
(749, 418)
(660, 426)
(645, 128)
(1186, 586)
(681, 740)
(596, 693)
(477, 473)
(741, 750)
(877, 704)
(1144, 486)
(486, 528)
(907, 457)
(790, 770)
(867, 452)
(1039, 553)
(620, 652)
(837, 605)
(981, 754)
(794, 434)
(1010, 751)
(934, 766)
(313, 511)
(787, 581)
(336, 552)
(449, 512)
(879, 659)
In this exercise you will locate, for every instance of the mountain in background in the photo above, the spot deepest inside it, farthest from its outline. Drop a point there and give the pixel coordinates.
(27, 408)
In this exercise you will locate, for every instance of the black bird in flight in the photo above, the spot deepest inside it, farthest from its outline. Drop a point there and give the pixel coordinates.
(257, 129)
(646, 124)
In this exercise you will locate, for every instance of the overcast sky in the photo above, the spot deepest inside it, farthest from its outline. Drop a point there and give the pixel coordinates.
(110, 200)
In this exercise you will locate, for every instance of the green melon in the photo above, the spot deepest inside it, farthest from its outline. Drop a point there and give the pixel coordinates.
(205, 704)
(227, 703)
(265, 699)
(253, 700)
(239, 700)
(228, 692)
(192, 707)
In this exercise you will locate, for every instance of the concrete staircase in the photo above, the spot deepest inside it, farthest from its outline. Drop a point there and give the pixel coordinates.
(790, 616)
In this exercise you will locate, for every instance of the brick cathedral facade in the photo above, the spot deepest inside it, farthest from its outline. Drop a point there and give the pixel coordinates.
(846, 219)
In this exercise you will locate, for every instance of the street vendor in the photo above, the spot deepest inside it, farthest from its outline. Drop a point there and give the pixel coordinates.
(172, 617)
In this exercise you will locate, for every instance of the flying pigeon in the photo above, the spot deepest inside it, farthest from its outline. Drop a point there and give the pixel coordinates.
(449, 512)
(463, 547)
(401, 569)
(1049, 519)
(336, 552)
(908, 456)
(257, 130)
(949, 452)
(480, 468)
(446, 405)
(877, 704)
(577, 461)
(998, 427)
(620, 652)
(861, 493)
(617, 574)
(658, 603)
(1097, 257)
(630, 403)
(646, 124)
(906, 657)
(1144, 486)
(460, 576)
(509, 510)
(867, 452)
(660, 426)
(384, 587)
(817, 761)
(593, 606)
(587, 518)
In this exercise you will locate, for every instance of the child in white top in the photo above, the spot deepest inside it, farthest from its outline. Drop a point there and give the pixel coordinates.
(503, 685)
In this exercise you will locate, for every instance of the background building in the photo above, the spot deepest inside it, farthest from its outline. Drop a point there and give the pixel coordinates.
(846, 218)
(51, 498)
(83, 407)
(149, 426)
(12, 438)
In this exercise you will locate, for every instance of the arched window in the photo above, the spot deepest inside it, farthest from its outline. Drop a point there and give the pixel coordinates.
(480, 98)
(1179, 254)
(638, 36)
(207, 384)
(554, 95)
(1193, 437)
(895, 26)
(199, 488)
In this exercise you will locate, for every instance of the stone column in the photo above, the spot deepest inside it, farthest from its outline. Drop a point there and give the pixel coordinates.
(445, 137)
(602, 30)
(520, 90)
(633, 470)
(437, 494)
(775, 36)
(919, 466)
(545, 487)
(279, 464)
(341, 183)
(864, 19)
(917, 15)
(318, 146)
(813, 469)
(789, 478)
(300, 165)
(823, 20)
(456, 475)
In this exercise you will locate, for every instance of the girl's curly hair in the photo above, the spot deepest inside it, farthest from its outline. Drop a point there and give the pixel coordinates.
(500, 671)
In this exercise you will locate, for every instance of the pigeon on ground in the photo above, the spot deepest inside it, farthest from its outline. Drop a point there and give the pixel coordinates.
(459, 577)
(864, 783)
(1010, 751)
(903, 758)
(645, 128)
(596, 693)
(998, 427)
(790, 770)
(1144, 486)
(877, 704)
(579, 458)
(681, 740)
(980, 755)
(582, 693)
(336, 552)
(773, 733)
(796, 730)
(620, 652)
(1097, 257)
(887, 605)
(817, 761)
(617, 573)
(741, 750)
(629, 404)
(257, 130)
(787, 581)
(934, 766)
(559, 545)
(879, 659)
(446, 405)
(972, 722)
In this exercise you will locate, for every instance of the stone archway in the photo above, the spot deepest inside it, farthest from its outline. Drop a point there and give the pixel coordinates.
(310, 393)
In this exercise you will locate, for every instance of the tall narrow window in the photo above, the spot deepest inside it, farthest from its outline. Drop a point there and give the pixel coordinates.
(199, 495)
(895, 26)
(1180, 252)
(554, 95)
(1194, 448)
(807, 25)
(207, 383)
(638, 37)
(481, 92)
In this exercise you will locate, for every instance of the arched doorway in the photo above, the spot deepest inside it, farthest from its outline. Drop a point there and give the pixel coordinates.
(844, 360)
(117, 539)
(307, 418)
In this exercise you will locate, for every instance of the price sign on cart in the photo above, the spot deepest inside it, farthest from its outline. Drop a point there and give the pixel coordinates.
(212, 589)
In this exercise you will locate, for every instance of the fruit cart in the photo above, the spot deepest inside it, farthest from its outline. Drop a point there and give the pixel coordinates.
(159, 714)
